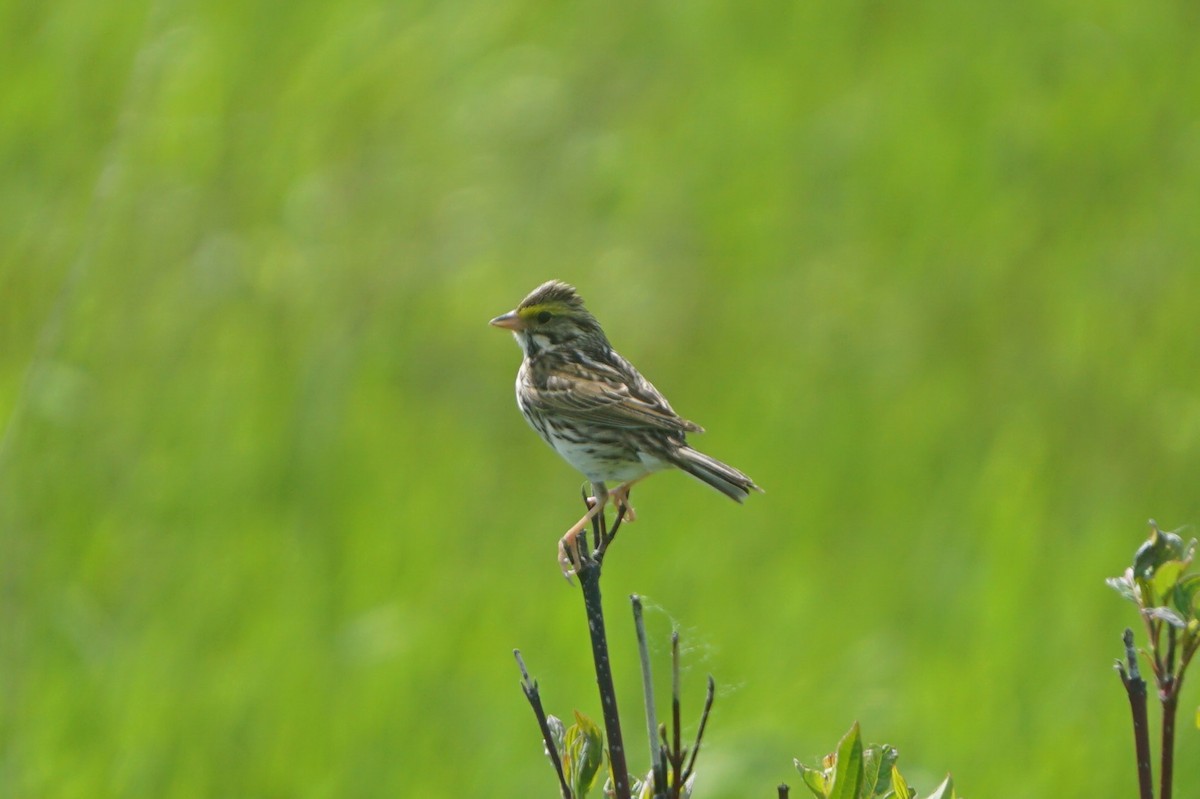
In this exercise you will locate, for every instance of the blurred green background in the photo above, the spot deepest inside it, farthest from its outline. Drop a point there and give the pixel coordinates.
(271, 525)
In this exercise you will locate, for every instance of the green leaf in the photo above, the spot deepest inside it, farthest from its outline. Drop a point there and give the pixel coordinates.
(1169, 616)
(900, 786)
(878, 760)
(945, 790)
(814, 780)
(583, 754)
(1158, 549)
(1145, 592)
(848, 770)
(1166, 577)
(1187, 594)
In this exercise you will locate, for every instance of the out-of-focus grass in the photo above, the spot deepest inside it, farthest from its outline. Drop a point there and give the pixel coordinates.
(270, 523)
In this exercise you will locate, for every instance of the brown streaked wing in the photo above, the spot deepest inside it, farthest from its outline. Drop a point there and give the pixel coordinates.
(614, 404)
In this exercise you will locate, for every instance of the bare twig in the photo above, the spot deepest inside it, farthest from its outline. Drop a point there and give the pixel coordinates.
(783, 791)
(589, 582)
(667, 760)
(656, 762)
(1154, 631)
(1170, 704)
(1188, 652)
(1168, 694)
(708, 703)
(530, 687)
(677, 747)
(607, 535)
(1135, 688)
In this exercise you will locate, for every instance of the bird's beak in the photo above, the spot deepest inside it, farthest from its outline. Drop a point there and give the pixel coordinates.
(509, 321)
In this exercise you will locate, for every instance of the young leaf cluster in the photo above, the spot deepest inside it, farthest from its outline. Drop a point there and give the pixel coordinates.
(582, 752)
(1167, 597)
(1167, 594)
(855, 771)
(582, 746)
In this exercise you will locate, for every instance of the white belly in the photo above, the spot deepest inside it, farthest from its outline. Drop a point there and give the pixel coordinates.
(603, 465)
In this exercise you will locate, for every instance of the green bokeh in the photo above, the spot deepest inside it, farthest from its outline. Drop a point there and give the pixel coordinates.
(270, 523)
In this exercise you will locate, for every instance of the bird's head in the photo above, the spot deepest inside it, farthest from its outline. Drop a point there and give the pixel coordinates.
(552, 316)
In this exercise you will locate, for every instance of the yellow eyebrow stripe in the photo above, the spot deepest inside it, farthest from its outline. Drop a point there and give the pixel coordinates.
(534, 310)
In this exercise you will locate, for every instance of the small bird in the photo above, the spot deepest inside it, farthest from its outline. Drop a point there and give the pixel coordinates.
(597, 411)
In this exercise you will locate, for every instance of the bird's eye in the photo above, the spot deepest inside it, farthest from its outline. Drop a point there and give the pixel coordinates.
(544, 317)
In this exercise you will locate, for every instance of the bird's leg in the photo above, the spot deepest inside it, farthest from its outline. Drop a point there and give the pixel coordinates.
(568, 545)
(620, 498)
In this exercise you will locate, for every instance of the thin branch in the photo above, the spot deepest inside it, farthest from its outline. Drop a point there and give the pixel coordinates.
(589, 583)
(667, 757)
(1170, 704)
(1168, 696)
(664, 750)
(1170, 712)
(783, 791)
(677, 747)
(530, 687)
(1188, 652)
(708, 703)
(660, 772)
(1172, 636)
(1135, 688)
(1156, 650)
(607, 537)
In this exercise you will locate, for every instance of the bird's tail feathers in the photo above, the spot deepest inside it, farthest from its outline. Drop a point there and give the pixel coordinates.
(721, 476)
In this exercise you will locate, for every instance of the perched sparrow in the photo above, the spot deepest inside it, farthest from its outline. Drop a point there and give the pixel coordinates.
(596, 410)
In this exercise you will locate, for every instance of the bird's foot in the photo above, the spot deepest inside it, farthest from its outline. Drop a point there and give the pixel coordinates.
(568, 556)
(620, 500)
(568, 546)
(619, 504)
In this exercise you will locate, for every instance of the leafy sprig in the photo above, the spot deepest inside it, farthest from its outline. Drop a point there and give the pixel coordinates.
(1167, 596)
(856, 771)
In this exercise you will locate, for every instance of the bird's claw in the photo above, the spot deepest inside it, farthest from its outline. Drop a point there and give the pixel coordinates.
(568, 557)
